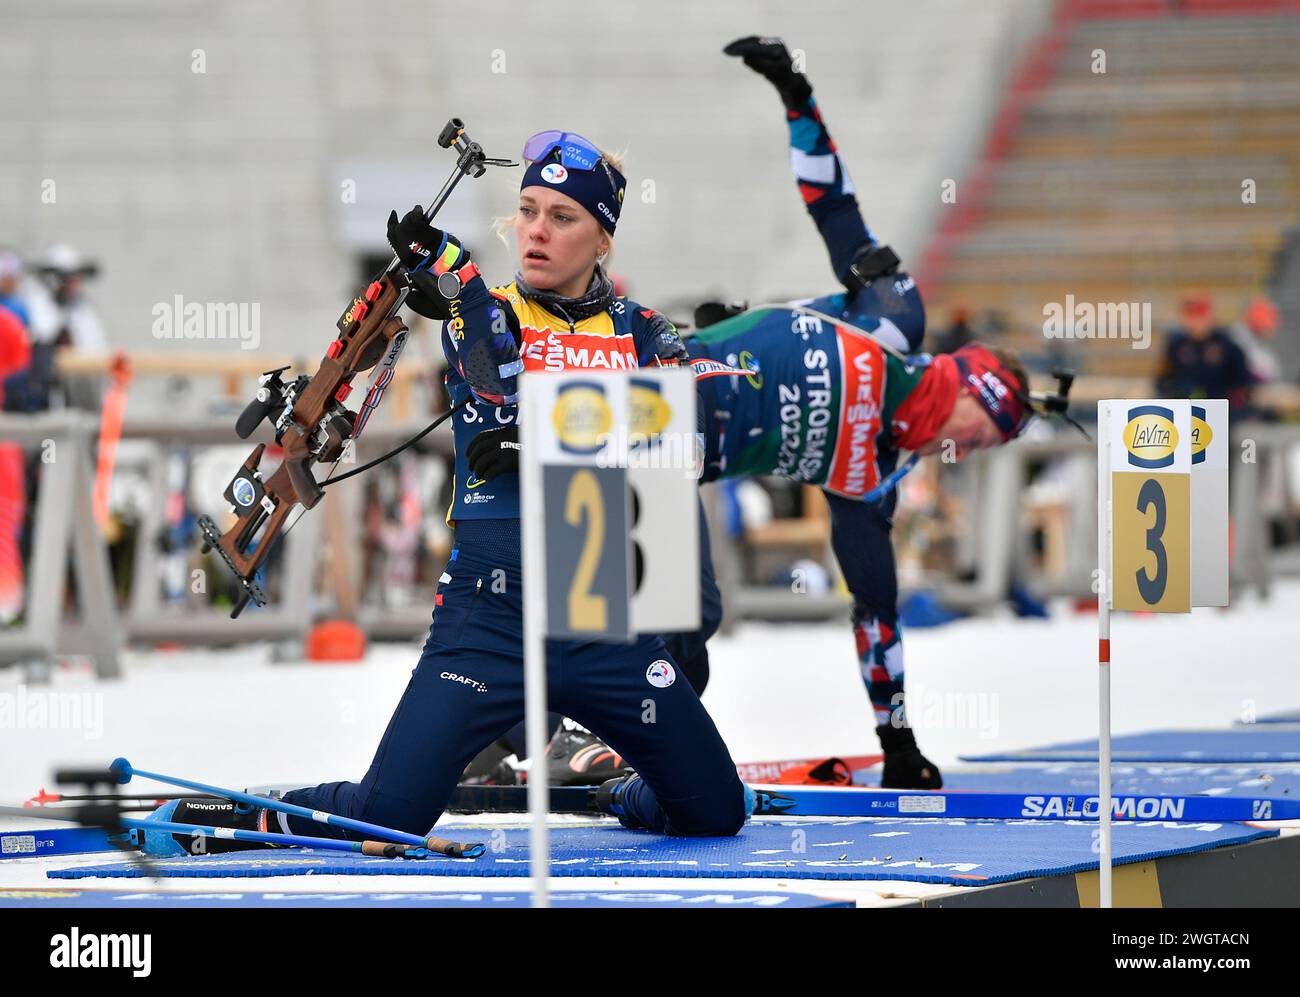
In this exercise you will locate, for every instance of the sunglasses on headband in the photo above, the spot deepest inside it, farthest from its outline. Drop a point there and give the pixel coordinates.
(576, 153)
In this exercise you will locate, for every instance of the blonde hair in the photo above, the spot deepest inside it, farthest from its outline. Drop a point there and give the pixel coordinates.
(503, 224)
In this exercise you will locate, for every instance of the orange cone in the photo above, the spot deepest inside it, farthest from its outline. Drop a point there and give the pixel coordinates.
(336, 640)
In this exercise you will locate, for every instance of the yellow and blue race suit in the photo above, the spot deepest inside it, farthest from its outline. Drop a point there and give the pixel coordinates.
(467, 690)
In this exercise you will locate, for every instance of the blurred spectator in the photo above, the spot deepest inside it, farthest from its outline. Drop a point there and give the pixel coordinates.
(15, 378)
(1202, 361)
(1255, 336)
(15, 355)
(61, 319)
(11, 277)
(15, 349)
(957, 335)
(60, 312)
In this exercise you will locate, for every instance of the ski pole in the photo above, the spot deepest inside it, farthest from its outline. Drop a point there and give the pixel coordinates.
(378, 849)
(91, 839)
(123, 771)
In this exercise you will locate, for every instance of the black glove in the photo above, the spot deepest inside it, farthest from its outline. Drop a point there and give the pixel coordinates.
(666, 346)
(493, 452)
(413, 239)
(709, 313)
(425, 298)
(769, 58)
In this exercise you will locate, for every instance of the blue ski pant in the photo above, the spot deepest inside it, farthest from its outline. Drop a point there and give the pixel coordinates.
(468, 690)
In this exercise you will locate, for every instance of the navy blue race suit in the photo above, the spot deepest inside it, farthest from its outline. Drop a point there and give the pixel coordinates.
(889, 306)
(467, 689)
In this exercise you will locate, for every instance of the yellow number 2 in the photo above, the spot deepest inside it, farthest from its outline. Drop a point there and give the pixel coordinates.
(587, 611)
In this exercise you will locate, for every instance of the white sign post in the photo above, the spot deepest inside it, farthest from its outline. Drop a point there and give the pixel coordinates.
(600, 489)
(1162, 534)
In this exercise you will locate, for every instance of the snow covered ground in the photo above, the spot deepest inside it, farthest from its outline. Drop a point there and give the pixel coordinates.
(234, 717)
(237, 718)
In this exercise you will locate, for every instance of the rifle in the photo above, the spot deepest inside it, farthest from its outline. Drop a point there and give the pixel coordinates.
(312, 425)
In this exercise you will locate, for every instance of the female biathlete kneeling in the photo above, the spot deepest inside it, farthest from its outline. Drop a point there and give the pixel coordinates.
(468, 687)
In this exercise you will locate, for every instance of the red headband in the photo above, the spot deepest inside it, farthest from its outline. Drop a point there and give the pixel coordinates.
(997, 390)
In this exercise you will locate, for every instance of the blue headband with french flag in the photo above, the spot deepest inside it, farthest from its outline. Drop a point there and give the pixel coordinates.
(598, 187)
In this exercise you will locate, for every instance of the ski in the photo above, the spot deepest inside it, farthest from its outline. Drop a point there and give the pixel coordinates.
(514, 800)
(853, 802)
(47, 841)
(835, 801)
(755, 772)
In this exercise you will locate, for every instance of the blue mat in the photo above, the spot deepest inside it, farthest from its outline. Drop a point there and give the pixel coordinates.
(1275, 781)
(953, 852)
(448, 898)
(1236, 745)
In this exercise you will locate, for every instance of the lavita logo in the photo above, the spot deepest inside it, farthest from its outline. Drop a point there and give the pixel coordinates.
(94, 951)
(1150, 436)
(1202, 435)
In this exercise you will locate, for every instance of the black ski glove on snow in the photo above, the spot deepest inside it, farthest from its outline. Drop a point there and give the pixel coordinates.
(493, 452)
(769, 58)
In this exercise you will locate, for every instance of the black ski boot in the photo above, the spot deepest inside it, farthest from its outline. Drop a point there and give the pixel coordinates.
(576, 757)
(490, 767)
(609, 800)
(905, 767)
(209, 811)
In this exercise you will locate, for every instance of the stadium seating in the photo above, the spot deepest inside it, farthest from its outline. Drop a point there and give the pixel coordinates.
(1127, 186)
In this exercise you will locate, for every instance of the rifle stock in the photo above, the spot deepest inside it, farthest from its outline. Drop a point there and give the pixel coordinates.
(312, 425)
(315, 430)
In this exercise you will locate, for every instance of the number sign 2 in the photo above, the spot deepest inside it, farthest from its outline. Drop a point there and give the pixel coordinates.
(588, 568)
